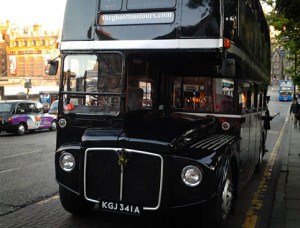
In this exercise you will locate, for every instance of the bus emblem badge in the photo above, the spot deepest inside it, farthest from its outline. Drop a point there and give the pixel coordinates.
(122, 157)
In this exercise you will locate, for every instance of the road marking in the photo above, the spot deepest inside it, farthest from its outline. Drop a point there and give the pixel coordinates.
(25, 153)
(33, 164)
(252, 216)
(8, 170)
(55, 197)
(273, 132)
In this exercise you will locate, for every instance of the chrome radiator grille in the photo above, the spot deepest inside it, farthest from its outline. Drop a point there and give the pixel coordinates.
(123, 174)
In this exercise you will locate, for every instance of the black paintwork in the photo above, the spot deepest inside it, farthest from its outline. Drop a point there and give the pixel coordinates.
(173, 136)
(170, 136)
(197, 20)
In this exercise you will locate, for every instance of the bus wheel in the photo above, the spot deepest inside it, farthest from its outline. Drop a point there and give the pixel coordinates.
(227, 195)
(21, 129)
(73, 203)
(222, 206)
(53, 126)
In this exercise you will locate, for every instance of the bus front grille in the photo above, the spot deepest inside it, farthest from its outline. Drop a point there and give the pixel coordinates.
(123, 174)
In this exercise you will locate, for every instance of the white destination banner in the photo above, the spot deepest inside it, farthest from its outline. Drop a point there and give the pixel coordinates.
(137, 18)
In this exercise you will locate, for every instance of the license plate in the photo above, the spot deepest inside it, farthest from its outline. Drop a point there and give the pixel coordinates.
(120, 206)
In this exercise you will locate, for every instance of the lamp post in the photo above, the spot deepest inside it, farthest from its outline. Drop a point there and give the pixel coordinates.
(281, 55)
(295, 73)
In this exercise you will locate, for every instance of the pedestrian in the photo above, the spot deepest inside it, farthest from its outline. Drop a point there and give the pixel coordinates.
(295, 110)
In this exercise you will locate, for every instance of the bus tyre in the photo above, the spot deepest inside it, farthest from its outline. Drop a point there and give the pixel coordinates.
(53, 126)
(21, 129)
(73, 203)
(221, 207)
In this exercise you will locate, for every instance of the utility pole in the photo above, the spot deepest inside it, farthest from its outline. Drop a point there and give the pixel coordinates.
(295, 74)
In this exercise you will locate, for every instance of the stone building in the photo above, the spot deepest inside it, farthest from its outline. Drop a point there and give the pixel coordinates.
(4, 42)
(24, 52)
(280, 65)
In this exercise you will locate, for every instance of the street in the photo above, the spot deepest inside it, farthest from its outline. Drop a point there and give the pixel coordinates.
(26, 169)
(27, 178)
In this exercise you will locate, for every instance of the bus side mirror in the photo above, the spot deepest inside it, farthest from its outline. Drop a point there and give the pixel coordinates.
(52, 67)
(228, 67)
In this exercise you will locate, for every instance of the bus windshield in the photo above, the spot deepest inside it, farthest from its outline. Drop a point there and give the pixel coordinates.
(92, 83)
(285, 88)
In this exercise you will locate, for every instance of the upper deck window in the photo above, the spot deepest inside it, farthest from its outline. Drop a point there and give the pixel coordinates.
(200, 18)
(150, 4)
(116, 5)
(110, 5)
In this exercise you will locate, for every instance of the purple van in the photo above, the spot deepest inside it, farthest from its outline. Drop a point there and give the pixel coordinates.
(20, 116)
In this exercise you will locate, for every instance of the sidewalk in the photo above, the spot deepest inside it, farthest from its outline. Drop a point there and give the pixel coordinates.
(286, 208)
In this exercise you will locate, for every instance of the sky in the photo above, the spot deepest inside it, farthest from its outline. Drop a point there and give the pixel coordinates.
(47, 13)
(266, 7)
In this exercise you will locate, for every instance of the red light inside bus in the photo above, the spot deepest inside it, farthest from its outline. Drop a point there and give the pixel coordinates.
(226, 43)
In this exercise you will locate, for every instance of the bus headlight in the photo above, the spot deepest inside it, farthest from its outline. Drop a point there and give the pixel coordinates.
(191, 175)
(67, 161)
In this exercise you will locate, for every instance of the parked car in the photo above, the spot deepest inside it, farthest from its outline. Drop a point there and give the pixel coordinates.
(20, 116)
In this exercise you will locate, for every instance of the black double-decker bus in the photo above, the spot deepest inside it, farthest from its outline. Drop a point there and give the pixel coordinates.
(162, 105)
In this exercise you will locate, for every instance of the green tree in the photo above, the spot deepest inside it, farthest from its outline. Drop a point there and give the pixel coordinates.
(285, 18)
(289, 8)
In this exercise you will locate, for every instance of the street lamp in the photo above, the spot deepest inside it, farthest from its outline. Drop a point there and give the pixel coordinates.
(295, 73)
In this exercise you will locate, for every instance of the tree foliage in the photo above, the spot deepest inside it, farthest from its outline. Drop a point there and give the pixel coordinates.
(289, 8)
(285, 18)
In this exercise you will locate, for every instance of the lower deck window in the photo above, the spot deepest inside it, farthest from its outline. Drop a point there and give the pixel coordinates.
(204, 94)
